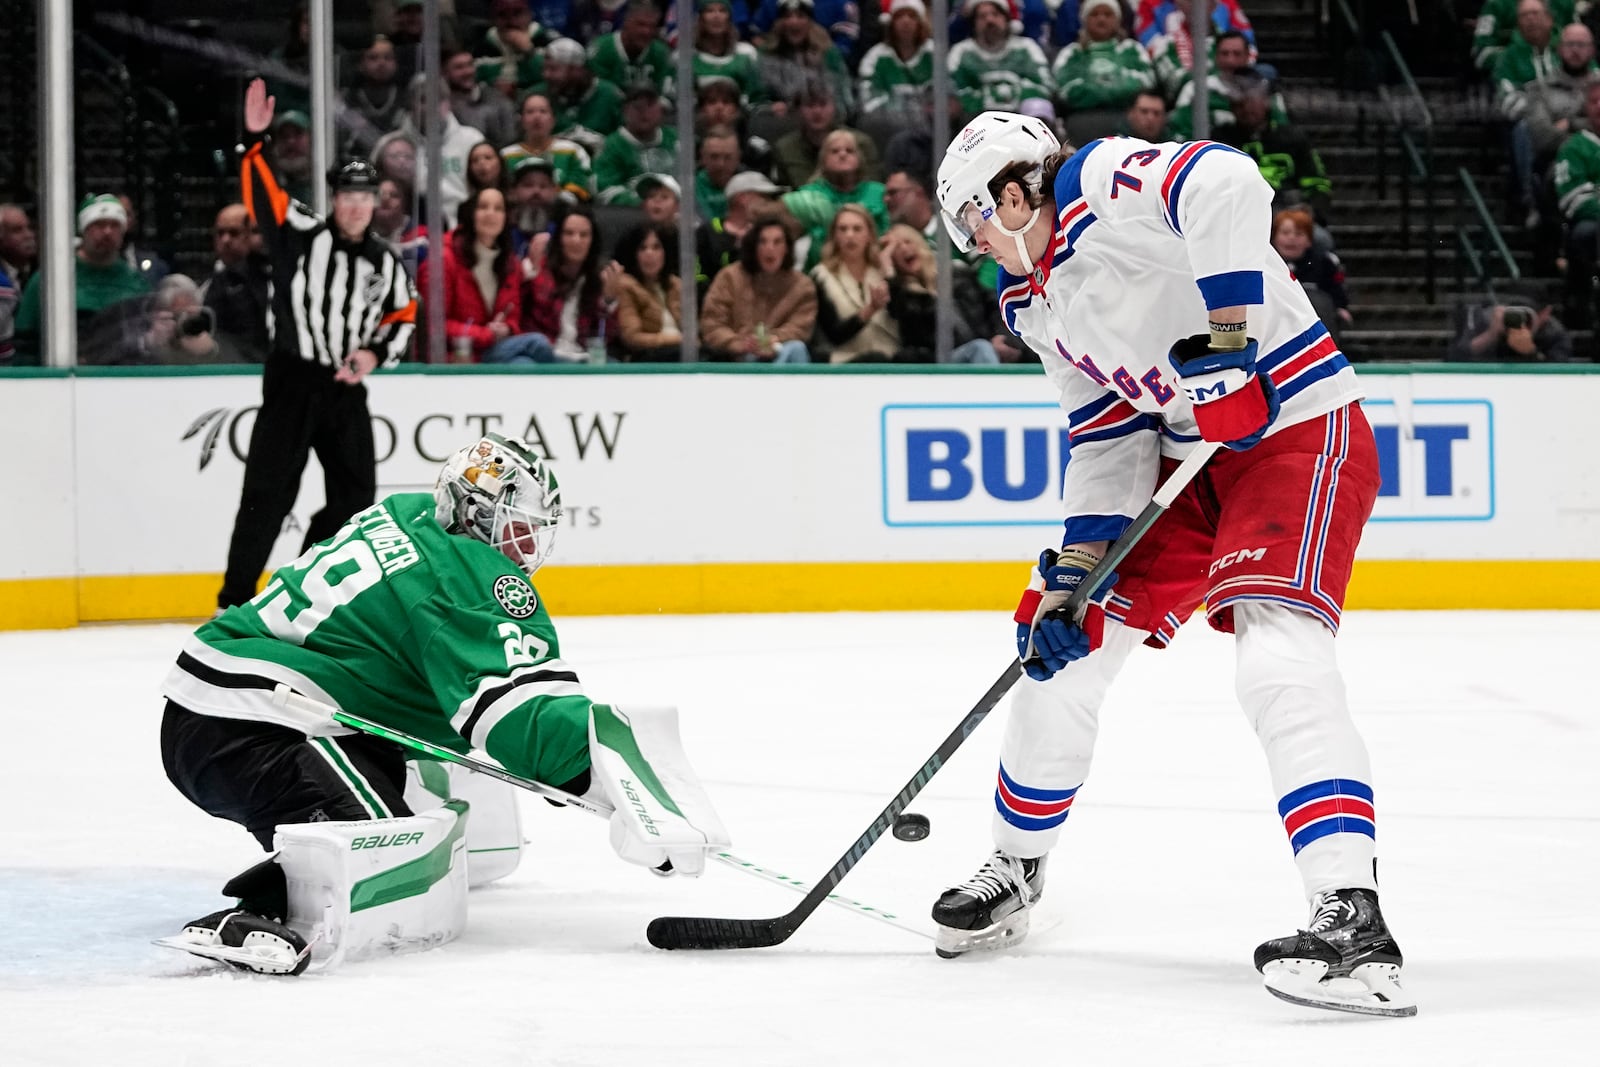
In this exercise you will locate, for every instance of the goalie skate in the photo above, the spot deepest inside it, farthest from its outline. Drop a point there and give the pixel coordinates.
(242, 939)
(990, 910)
(1346, 960)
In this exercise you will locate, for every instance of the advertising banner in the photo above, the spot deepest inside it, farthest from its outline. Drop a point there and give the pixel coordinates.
(717, 470)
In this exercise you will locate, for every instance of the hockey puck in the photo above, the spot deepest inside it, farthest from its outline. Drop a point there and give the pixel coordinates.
(909, 826)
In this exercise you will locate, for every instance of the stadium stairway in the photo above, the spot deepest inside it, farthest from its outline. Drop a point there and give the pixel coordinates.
(1395, 317)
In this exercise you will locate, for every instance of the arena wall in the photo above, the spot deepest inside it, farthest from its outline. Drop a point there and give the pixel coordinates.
(704, 489)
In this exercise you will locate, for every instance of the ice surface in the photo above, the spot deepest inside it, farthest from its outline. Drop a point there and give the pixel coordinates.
(1484, 731)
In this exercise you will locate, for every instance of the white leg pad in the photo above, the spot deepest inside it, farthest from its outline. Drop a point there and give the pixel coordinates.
(661, 812)
(376, 887)
(494, 833)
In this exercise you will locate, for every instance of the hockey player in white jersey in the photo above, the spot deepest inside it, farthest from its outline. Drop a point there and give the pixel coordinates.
(1113, 260)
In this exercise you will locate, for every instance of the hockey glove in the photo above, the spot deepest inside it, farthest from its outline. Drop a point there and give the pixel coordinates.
(1047, 638)
(1233, 405)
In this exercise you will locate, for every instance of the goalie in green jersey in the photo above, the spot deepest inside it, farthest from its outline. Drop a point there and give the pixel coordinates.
(418, 615)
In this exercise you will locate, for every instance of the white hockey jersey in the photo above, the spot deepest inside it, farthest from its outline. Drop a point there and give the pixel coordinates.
(1148, 238)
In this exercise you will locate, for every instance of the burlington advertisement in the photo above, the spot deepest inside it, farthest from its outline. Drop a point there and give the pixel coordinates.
(724, 468)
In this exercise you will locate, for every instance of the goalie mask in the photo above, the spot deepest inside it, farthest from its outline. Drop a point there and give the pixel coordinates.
(499, 492)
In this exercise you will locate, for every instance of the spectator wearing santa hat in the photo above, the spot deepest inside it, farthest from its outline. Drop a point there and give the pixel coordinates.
(897, 73)
(998, 69)
(1098, 75)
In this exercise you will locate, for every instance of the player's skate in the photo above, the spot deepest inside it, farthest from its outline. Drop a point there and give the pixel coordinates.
(244, 935)
(990, 909)
(1344, 961)
(245, 940)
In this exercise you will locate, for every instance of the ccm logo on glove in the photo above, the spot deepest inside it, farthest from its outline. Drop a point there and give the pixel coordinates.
(1233, 405)
(1047, 637)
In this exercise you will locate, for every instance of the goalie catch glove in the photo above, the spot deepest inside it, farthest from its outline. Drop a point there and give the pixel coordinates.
(1233, 405)
(1047, 637)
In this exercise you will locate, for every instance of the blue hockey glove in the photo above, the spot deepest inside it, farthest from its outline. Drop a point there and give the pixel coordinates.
(1233, 405)
(1047, 638)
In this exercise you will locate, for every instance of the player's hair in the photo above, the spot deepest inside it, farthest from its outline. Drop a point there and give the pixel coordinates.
(1230, 35)
(1037, 180)
(752, 238)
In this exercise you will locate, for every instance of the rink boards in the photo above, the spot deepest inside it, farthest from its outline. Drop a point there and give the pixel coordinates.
(751, 489)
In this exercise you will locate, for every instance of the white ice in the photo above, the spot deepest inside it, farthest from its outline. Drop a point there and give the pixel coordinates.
(1485, 736)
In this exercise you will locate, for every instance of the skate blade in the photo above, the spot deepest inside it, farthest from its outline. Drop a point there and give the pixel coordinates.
(261, 957)
(1371, 989)
(950, 943)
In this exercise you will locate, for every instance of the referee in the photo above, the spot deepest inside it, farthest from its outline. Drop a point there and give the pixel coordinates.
(342, 304)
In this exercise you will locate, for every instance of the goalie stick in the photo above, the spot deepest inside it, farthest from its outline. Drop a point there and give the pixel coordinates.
(561, 796)
(705, 932)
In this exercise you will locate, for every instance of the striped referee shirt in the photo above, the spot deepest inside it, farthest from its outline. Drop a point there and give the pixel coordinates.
(330, 296)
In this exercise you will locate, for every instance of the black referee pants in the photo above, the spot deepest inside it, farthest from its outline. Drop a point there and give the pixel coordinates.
(259, 774)
(300, 413)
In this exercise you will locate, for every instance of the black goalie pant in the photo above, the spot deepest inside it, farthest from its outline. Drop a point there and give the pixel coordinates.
(259, 775)
(302, 411)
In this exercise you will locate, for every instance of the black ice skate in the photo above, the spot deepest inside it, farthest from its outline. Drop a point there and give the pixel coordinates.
(989, 910)
(250, 934)
(1344, 961)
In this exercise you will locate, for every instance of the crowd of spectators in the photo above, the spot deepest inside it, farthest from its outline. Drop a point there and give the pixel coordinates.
(560, 150)
(1539, 58)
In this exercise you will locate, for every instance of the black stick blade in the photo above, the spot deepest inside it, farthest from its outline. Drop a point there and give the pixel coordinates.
(702, 932)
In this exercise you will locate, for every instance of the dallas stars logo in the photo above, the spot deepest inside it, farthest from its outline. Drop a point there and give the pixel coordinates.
(515, 596)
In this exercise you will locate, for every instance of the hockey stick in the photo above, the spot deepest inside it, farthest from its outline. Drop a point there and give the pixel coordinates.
(561, 796)
(705, 932)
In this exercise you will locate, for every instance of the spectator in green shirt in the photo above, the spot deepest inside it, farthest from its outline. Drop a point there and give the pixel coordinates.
(1577, 173)
(103, 277)
(635, 54)
(719, 161)
(587, 108)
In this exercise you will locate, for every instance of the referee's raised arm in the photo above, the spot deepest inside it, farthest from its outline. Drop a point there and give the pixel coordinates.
(263, 195)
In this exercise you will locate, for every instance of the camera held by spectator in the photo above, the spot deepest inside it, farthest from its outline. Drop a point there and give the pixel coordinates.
(1522, 329)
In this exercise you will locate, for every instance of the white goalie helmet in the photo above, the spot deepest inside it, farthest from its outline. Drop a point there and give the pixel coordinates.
(499, 491)
(990, 143)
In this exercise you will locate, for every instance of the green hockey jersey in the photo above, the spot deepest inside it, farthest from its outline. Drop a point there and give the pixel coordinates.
(1000, 80)
(742, 66)
(653, 67)
(1497, 21)
(1577, 171)
(1518, 65)
(397, 621)
(574, 172)
(1102, 74)
(624, 160)
(892, 84)
(590, 117)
